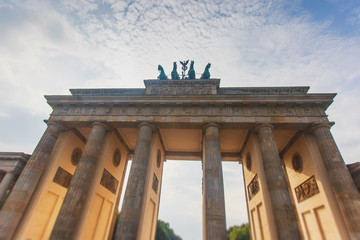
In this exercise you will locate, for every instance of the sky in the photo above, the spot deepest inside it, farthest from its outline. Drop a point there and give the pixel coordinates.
(48, 47)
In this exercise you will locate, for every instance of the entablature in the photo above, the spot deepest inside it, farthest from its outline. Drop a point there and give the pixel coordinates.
(181, 100)
(323, 99)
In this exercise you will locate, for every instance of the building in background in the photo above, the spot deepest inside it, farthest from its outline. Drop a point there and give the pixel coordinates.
(11, 166)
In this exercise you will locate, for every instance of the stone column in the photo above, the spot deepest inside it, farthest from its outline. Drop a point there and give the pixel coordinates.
(214, 222)
(5, 183)
(68, 220)
(21, 193)
(132, 207)
(342, 184)
(282, 208)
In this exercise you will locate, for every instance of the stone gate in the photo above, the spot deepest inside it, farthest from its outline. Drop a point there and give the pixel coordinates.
(297, 185)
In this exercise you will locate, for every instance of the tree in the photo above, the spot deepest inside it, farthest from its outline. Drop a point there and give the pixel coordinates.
(164, 232)
(239, 232)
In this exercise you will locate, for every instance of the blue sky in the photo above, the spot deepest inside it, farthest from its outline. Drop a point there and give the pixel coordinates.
(47, 47)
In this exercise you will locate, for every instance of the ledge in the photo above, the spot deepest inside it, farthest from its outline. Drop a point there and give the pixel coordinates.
(108, 92)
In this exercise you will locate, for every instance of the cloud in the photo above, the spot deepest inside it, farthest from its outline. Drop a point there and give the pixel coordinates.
(49, 47)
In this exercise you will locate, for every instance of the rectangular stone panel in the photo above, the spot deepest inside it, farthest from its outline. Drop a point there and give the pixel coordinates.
(62, 177)
(109, 181)
(306, 189)
(103, 220)
(253, 187)
(155, 183)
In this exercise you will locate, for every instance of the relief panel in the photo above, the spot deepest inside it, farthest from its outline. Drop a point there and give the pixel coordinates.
(306, 189)
(190, 110)
(253, 187)
(62, 177)
(109, 181)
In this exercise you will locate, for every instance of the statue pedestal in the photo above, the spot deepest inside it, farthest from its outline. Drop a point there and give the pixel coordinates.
(182, 87)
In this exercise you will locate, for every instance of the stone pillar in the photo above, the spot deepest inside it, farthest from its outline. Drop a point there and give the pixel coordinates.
(282, 207)
(69, 217)
(5, 183)
(342, 184)
(21, 193)
(130, 215)
(214, 222)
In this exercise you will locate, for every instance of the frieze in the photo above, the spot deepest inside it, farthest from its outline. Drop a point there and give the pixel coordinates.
(306, 189)
(62, 177)
(79, 111)
(264, 90)
(205, 110)
(65, 110)
(109, 181)
(172, 83)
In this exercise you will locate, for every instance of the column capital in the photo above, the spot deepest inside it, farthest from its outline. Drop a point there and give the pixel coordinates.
(211, 125)
(261, 125)
(153, 128)
(56, 123)
(103, 124)
(321, 125)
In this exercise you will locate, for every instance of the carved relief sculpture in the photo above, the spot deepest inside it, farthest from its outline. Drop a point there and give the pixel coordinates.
(307, 189)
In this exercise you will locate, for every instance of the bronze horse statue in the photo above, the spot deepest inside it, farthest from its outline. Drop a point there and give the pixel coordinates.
(191, 72)
(162, 75)
(174, 73)
(206, 74)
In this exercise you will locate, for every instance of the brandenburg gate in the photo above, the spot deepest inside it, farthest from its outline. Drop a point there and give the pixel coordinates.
(297, 184)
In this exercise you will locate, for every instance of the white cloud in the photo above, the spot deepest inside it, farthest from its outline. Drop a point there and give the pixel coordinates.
(47, 48)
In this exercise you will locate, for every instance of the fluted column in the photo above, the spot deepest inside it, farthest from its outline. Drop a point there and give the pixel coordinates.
(283, 210)
(343, 186)
(5, 183)
(69, 217)
(21, 193)
(214, 222)
(129, 221)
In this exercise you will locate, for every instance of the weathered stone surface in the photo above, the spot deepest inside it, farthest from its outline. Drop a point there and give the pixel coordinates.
(19, 198)
(11, 165)
(354, 170)
(214, 222)
(283, 210)
(5, 183)
(77, 195)
(310, 110)
(129, 221)
(347, 195)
